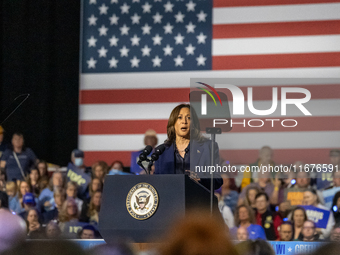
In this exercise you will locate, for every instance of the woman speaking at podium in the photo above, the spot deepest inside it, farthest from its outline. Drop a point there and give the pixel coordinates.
(182, 128)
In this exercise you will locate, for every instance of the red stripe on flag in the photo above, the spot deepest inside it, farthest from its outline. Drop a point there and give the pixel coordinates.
(134, 96)
(235, 157)
(276, 29)
(276, 61)
(177, 95)
(234, 3)
(140, 126)
(281, 156)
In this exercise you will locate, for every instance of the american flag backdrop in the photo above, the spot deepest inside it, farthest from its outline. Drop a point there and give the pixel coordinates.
(137, 58)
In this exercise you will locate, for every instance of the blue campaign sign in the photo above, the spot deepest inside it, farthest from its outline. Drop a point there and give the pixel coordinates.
(292, 248)
(328, 196)
(318, 215)
(71, 229)
(76, 175)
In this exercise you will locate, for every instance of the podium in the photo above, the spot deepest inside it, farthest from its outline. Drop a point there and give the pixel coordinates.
(175, 195)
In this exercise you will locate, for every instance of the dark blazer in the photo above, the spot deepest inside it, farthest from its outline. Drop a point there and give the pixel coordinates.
(200, 155)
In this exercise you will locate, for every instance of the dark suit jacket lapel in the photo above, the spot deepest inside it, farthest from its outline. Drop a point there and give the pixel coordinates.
(197, 152)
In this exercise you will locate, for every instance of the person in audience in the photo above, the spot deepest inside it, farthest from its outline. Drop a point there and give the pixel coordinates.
(34, 181)
(34, 228)
(242, 234)
(310, 197)
(265, 218)
(52, 230)
(150, 138)
(336, 207)
(59, 199)
(197, 233)
(265, 159)
(308, 232)
(18, 160)
(46, 199)
(335, 233)
(13, 230)
(298, 217)
(325, 178)
(71, 191)
(249, 199)
(28, 203)
(68, 213)
(94, 207)
(43, 172)
(116, 167)
(100, 170)
(244, 217)
(87, 232)
(95, 185)
(24, 188)
(3, 145)
(77, 159)
(13, 197)
(2, 180)
(286, 231)
(4, 200)
(227, 194)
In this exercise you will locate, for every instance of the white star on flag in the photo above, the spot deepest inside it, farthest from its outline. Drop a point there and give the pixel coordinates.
(179, 61)
(201, 60)
(190, 6)
(125, 8)
(135, 19)
(134, 62)
(146, 51)
(103, 9)
(135, 40)
(114, 19)
(114, 1)
(168, 28)
(179, 17)
(113, 41)
(190, 28)
(168, 50)
(135, 1)
(91, 63)
(146, 29)
(124, 51)
(201, 16)
(146, 8)
(103, 30)
(92, 20)
(92, 42)
(168, 7)
(190, 49)
(156, 61)
(124, 30)
(201, 38)
(102, 52)
(157, 40)
(179, 39)
(113, 62)
(93, 1)
(157, 18)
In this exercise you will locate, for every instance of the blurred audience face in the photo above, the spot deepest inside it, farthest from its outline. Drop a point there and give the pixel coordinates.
(97, 199)
(309, 198)
(298, 218)
(59, 200)
(308, 230)
(286, 232)
(334, 158)
(336, 179)
(87, 234)
(34, 175)
(99, 172)
(242, 234)
(243, 214)
(42, 168)
(302, 180)
(182, 125)
(117, 166)
(17, 141)
(261, 204)
(150, 140)
(335, 235)
(96, 184)
(71, 190)
(266, 155)
(24, 188)
(52, 230)
(72, 208)
(57, 179)
(251, 195)
(32, 216)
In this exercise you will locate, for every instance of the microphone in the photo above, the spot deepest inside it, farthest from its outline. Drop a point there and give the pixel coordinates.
(158, 151)
(145, 153)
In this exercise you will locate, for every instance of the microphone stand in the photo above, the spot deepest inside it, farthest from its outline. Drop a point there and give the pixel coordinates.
(141, 165)
(213, 131)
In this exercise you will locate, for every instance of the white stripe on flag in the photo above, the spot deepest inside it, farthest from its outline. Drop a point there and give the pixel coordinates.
(280, 13)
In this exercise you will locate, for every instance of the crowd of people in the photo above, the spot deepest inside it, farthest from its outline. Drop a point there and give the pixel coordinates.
(264, 206)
